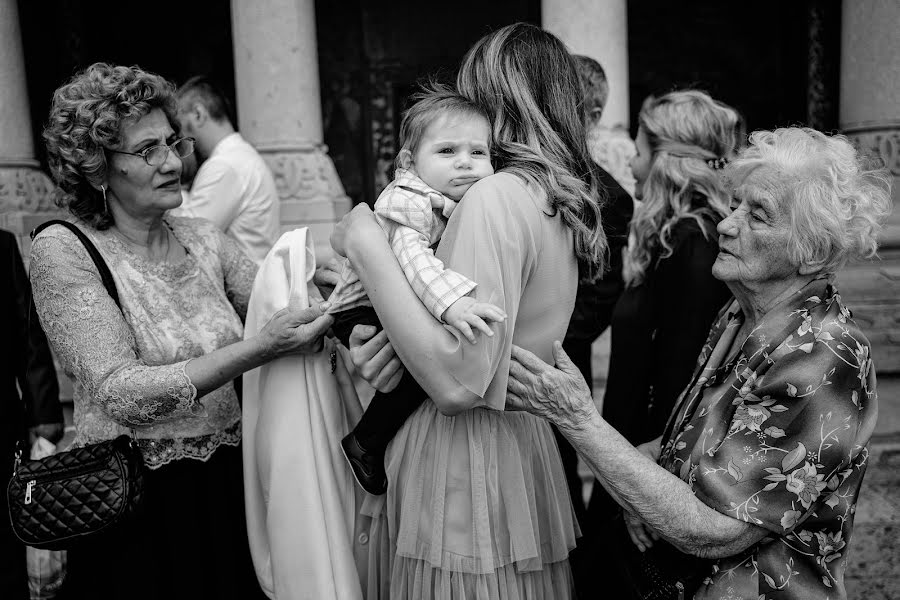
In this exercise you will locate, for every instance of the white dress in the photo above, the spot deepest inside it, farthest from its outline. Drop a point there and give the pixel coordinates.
(301, 508)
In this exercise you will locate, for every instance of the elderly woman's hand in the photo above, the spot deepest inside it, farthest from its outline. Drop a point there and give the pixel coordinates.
(641, 534)
(295, 331)
(375, 359)
(558, 394)
(352, 226)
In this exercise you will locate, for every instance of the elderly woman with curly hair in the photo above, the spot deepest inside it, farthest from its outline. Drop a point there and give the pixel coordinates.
(162, 366)
(751, 489)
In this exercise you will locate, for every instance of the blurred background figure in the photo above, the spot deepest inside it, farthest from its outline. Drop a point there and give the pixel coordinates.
(233, 186)
(611, 148)
(29, 397)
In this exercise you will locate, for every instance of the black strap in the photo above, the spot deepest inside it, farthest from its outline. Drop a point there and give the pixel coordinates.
(105, 274)
(108, 283)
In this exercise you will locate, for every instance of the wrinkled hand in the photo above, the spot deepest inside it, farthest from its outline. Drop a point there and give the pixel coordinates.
(295, 331)
(346, 229)
(375, 359)
(466, 313)
(641, 534)
(558, 394)
(52, 432)
(327, 276)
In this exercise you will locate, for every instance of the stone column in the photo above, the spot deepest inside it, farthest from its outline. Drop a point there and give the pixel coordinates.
(25, 191)
(870, 116)
(599, 29)
(279, 110)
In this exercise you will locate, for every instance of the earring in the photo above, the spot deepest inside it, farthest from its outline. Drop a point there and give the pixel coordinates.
(105, 201)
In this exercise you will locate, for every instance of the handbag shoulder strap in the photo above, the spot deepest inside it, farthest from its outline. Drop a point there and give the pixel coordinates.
(105, 273)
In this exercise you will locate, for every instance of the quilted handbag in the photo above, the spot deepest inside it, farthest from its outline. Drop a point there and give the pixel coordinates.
(56, 500)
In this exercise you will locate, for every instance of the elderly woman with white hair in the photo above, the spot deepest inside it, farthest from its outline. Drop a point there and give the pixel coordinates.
(750, 491)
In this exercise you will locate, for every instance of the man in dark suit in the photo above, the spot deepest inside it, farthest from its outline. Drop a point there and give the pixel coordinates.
(29, 397)
(591, 316)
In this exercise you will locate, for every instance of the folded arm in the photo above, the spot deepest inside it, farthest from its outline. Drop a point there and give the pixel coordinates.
(661, 499)
(437, 286)
(639, 485)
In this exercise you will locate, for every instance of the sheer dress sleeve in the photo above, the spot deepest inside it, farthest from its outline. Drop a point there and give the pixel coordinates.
(240, 272)
(94, 342)
(492, 238)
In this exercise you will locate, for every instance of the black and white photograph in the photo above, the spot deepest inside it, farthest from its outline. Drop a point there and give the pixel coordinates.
(481, 300)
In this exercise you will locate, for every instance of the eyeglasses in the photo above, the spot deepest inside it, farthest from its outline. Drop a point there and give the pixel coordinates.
(157, 155)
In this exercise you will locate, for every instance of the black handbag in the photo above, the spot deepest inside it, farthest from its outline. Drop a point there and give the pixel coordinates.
(55, 501)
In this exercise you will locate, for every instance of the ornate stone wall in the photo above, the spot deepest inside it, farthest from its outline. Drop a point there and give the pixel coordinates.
(872, 289)
(25, 200)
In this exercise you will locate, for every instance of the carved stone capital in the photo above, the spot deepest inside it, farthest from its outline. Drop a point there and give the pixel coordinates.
(304, 173)
(882, 141)
(25, 189)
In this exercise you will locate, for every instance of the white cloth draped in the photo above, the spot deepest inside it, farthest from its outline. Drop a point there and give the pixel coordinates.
(301, 502)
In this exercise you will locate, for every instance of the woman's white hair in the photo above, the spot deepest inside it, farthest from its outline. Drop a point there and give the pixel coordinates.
(837, 199)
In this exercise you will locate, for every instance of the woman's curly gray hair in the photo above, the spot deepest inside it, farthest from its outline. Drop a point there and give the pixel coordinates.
(836, 199)
(87, 116)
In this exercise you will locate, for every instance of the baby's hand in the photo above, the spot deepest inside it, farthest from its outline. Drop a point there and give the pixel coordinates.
(466, 313)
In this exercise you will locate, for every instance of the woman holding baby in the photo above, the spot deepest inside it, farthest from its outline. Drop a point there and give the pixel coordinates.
(477, 504)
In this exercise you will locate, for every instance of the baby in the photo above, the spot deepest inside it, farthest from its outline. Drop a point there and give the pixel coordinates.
(445, 149)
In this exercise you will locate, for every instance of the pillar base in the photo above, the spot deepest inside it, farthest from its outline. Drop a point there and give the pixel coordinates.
(310, 191)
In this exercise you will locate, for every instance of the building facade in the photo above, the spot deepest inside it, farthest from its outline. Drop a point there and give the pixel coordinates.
(319, 88)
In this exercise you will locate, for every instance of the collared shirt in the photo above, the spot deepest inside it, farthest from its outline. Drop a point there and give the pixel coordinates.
(413, 216)
(776, 435)
(234, 189)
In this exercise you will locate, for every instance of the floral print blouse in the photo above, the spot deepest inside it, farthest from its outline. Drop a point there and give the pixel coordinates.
(128, 364)
(775, 435)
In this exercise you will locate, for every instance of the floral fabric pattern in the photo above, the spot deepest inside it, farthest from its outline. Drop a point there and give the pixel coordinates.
(128, 365)
(776, 435)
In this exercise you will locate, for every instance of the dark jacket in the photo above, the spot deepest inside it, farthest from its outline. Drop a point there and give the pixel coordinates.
(595, 301)
(29, 391)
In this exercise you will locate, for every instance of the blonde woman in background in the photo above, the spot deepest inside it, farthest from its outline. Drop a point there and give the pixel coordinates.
(670, 299)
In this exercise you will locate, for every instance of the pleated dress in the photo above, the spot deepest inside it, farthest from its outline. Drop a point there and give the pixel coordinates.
(477, 506)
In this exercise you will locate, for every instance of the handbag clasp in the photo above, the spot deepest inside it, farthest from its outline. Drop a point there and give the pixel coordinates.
(18, 460)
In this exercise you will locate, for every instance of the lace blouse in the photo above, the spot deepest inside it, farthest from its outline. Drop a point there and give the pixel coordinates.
(128, 365)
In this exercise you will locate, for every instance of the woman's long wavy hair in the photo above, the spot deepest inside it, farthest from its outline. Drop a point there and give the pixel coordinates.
(526, 81)
(685, 129)
(86, 117)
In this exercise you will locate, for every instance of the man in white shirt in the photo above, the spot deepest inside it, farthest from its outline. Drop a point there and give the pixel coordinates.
(234, 187)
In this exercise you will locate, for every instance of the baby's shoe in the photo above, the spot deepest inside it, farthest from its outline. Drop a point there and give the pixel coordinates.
(367, 467)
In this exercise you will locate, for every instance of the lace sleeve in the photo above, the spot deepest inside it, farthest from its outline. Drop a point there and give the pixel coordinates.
(239, 270)
(95, 344)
